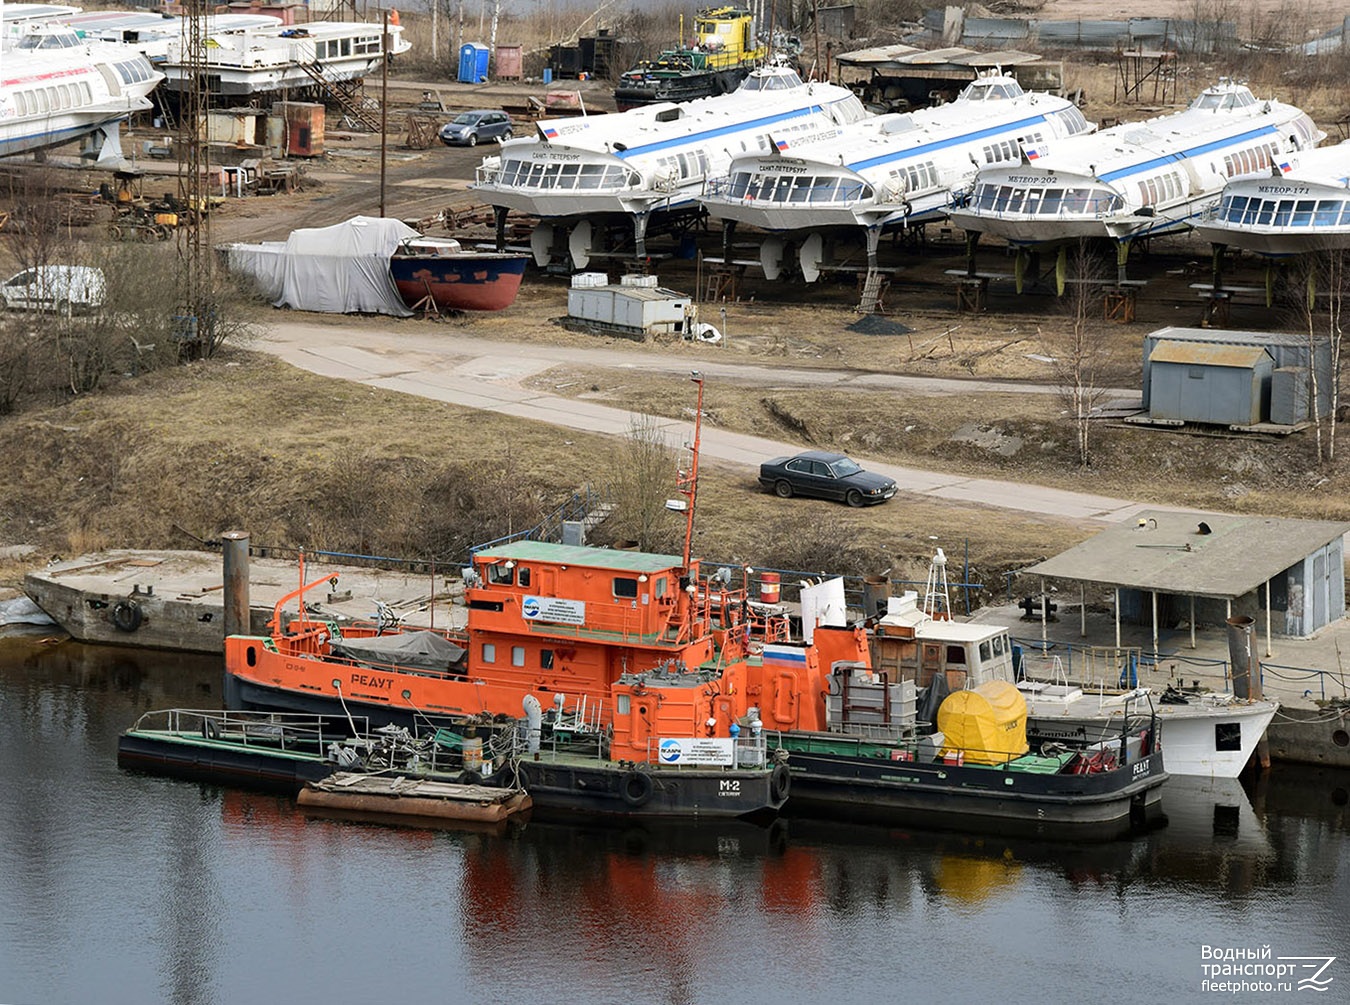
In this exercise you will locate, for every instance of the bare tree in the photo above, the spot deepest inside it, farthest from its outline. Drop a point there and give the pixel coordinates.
(1324, 277)
(644, 480)
(1078, 354)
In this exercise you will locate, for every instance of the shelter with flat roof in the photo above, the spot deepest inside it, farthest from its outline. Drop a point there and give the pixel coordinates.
(1174, 567)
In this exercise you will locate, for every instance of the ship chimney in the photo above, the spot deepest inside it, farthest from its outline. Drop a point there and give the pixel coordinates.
(1246, 673)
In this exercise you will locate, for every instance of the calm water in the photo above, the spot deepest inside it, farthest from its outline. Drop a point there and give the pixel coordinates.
(123, 888)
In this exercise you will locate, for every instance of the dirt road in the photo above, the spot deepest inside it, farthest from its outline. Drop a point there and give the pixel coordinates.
(455, 367)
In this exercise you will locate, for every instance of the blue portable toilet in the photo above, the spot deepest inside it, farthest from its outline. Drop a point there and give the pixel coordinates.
(473, 63)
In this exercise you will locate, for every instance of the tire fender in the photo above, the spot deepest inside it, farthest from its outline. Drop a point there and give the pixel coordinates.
(127, 615)
(636, 787)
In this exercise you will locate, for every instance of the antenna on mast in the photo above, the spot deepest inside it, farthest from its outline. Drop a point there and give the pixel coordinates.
(937, 600)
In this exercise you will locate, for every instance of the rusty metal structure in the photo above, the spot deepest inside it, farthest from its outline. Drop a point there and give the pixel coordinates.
(196, 319)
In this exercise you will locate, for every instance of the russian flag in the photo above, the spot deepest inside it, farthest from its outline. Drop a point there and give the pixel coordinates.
(1285, 168)
(782, 144)
(551, 134)
(1032, 153)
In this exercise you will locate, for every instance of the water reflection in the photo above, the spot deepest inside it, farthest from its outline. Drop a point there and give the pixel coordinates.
(178, 892)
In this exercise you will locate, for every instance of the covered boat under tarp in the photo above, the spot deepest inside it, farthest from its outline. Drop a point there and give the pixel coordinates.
(343, 269)
(415, 650)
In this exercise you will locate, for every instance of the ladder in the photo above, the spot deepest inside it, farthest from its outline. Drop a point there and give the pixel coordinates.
(347, 95)
(873, 293)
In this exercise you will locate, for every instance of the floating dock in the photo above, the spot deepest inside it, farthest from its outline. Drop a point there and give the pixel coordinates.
(398, 797)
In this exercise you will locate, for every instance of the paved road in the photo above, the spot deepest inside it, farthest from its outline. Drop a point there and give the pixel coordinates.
(479, 373)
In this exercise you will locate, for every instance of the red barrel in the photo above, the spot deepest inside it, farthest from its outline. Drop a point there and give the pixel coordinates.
(770, 587)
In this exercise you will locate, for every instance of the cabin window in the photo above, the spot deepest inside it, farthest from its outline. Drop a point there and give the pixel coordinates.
(1227, 736)
(517, 656)
(625, 587)
(501, 574)
(489, 652)
(251, 656)
(998, 645)
(622, 704)
(1328, 211)
(956, 656)
(546, 658)
(659, 587)
(523, 577)
(986, 651)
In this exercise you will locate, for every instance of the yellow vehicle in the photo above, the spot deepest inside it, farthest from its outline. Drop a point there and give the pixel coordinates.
(724, 48)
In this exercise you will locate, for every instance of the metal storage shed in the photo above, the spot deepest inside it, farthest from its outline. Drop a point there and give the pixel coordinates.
(1227, 385)
(1287, 575)
(1287, 350)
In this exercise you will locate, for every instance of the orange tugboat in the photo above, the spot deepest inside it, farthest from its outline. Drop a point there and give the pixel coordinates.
(637, 665)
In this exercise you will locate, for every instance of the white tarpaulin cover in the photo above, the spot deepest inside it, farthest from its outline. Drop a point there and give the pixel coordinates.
(342, 269)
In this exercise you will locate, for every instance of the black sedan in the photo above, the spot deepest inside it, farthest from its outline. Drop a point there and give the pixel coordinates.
(826, 475)
(468, 128)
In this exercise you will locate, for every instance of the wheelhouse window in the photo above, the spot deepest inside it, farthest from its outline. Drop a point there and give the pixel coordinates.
(501, 574)
(956, 656)
(546, 658)
(1227, 736)
(523, 577)
(517, 656)
(626, 587)
(489, 652)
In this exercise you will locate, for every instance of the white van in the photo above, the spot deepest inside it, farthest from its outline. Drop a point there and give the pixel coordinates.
(65, 288)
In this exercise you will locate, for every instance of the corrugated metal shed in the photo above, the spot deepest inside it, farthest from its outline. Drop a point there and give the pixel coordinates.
(1226, 385)
(1287, 350)
(1168, 554)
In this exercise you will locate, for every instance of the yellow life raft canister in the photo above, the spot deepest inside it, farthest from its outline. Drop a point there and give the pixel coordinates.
(987, 724)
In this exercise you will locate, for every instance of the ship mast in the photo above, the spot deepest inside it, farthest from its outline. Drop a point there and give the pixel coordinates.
(687, 482)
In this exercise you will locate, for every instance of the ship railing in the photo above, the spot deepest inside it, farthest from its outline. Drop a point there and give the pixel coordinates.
(1099, 668)
(1086, 666)
(283, 730)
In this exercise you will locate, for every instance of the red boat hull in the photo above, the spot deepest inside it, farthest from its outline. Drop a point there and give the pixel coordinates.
(469, 282)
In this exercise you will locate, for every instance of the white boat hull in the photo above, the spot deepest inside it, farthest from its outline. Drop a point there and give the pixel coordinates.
(1188, 732)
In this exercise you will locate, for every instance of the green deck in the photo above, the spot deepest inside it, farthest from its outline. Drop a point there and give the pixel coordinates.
(581, 555)
(845, 746)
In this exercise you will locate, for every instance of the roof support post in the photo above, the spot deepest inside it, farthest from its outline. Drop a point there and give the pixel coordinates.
(1153, 594)
(1192, 620)
(1043, 605)
(1117, 593)
(1082, 610)
(1269, 651)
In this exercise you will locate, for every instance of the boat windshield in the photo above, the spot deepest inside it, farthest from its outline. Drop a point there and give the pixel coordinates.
(992, 90)
(1224, 99)
(844, 467)
(782, 80)
(50, 38)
